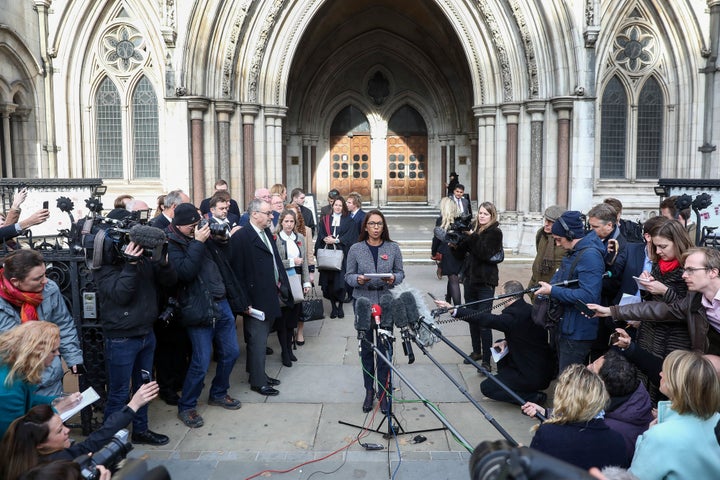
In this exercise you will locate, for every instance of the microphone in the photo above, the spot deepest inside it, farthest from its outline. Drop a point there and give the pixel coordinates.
(376, 312)
(410, 306)
(147, 236)
(362, 319)
(401, 321)
(386, 321)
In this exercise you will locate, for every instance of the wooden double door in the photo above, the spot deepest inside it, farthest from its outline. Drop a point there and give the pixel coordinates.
(350, 164)
(407, 167)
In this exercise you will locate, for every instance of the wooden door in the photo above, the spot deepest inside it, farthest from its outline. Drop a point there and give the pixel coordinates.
(407, 164)
(350, 164)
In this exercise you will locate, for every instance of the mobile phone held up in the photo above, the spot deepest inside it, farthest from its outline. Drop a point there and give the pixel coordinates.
(46, 205)
(584, 309)
(145, 375)
(614, 337)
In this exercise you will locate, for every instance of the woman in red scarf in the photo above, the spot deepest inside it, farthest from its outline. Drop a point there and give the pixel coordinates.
(665, 283)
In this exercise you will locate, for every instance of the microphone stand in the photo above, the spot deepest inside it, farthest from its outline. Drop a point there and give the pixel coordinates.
(436, 331)
(488, 416)
(391, 432)
(564, 283)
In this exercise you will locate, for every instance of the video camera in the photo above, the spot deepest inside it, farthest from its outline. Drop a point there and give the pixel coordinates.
(109, 456)
(461, 224)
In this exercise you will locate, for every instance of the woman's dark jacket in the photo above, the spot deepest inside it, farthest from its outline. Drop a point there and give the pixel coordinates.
(477, 249)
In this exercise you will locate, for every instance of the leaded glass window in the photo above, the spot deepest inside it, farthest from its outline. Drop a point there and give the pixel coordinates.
(145, 130)
(649, 132)
(109, 130)
(613, 130)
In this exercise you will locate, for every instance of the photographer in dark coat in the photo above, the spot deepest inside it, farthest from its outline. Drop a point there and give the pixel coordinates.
(127, 285)
(209, 296)
(529, 365)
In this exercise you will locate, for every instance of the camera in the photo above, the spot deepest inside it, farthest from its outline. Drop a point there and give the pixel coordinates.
(460, 225)
(109, 456)
(216, 229)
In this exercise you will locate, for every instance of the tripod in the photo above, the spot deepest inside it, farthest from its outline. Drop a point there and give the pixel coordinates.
(387, 340)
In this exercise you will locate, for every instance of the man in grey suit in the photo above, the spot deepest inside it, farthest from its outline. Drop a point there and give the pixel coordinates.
(461, 200)
(259, 268)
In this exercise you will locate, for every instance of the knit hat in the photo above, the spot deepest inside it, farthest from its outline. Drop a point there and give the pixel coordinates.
(552, 213)
(185, 214)
(573, 221)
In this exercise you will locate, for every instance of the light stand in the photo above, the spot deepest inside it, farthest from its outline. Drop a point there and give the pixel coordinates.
(386, 337)
(436, 331)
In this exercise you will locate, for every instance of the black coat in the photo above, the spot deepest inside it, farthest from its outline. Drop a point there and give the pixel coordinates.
(529, 363)
(252, 263)
(347, 233)
(476, 250)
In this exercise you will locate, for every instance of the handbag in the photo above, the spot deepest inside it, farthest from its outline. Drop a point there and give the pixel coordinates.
(498, 257)
(296, 288)
(329, 259)
(312, 308)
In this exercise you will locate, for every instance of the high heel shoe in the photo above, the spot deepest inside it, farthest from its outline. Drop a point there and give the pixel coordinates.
(293, 357)
(368, 402)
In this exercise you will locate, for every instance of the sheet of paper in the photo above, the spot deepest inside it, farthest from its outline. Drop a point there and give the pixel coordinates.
(259, 314)
(628, 299)
(378, 275)
(89, 397)
(640, 283)
(498, 355)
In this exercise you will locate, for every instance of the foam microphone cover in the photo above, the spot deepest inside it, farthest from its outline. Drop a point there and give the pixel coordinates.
(386, 321)
(410, 306)
(399, 315)
(362, 314)
(147, 236)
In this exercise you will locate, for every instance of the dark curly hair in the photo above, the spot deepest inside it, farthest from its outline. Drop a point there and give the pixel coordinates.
(619, 375)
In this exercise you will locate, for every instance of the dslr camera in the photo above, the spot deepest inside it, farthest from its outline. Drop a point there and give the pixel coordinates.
(460, 225)
(219, 230)
(109, 456)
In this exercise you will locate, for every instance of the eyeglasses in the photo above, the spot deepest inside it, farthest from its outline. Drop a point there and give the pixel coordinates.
(691, 270)
(374, 224)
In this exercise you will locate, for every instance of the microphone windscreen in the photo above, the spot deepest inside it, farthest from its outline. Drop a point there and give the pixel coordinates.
(147, 236)
(362, 314)
(386, 302)
(400, 317)
(410, 306)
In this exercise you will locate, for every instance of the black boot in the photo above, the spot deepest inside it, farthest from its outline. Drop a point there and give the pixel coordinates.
(368, 402)
(340, 312)
(334, 312)
(289, 336)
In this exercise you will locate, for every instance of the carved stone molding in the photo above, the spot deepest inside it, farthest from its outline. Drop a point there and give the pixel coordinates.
(260, 47)
(229, 58)
(169, 23)
(528, 48)
(501, 51)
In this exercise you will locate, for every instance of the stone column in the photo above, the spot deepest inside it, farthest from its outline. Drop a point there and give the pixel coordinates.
(197, 107)
(442, 139)
(306, 171)
(486, 140)
(6, 110)
(249, 112)
(511, 111)
(563, 108)
(50, 166)
(536, 109)
(273, 144)
(224, 110)
(474, 169)
(313, 162)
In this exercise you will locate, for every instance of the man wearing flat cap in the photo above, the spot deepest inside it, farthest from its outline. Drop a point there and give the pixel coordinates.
(549, 255)
(584, 262)
(209, 296)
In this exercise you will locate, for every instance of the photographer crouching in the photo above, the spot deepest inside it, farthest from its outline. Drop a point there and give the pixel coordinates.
(127, 285)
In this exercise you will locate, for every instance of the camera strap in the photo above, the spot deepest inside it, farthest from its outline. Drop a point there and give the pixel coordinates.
(97, 256)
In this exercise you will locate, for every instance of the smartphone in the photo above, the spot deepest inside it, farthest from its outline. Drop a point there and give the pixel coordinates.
(46, 205)
(584, 309)
(81, 370)
(614, 337)
(431, 296)
(145, 375)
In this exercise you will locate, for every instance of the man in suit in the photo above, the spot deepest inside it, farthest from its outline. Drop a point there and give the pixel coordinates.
(172, 200)
(219, 213)
(332, 195)
(461, 200)
(277, 204)
(220, 186)
(259, 268)
(260, 194)
(297, 196)
(529, 365)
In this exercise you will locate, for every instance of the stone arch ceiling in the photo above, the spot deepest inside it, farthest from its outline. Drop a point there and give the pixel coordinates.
(419, 23)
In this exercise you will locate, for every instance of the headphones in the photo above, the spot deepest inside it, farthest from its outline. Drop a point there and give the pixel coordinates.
(569, 235)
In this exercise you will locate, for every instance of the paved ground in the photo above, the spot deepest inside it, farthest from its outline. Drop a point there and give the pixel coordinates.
(298, 431)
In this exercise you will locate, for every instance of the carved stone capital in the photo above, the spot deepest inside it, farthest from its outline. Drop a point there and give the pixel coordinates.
(275, 111)
(591, 35)
(562, 105)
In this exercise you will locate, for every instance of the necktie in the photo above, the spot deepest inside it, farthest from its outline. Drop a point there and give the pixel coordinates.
(459, 203)
(267, 244)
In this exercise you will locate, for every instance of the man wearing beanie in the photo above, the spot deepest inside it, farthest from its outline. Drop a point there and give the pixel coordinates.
(584, 262)
(209, 296)
(549, 255)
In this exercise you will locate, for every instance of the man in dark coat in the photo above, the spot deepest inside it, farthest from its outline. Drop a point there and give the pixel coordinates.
(529, 365)
(259, 268)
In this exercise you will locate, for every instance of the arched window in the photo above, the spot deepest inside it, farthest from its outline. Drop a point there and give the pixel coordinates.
(127, 139)
(109, 130)
(613, 130)
(649, 132)
(145, 130)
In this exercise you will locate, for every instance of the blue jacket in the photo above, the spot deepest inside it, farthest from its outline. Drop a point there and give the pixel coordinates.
(51, 309)
(16, 399)
(589, 271)
(678, 447)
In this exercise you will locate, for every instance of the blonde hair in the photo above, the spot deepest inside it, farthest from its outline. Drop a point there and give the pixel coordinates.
(691, 383)
(25, 348)
(579, 396)
(448, 212)
(490, 207)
